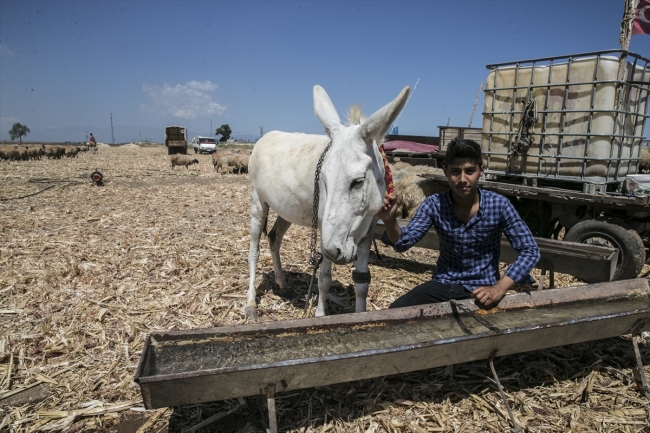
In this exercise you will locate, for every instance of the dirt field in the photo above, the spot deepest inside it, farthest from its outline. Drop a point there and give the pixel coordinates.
(87, 271)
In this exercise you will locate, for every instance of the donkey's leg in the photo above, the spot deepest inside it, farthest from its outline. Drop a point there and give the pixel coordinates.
(361, 275)
(259, 213)
(324, 281)
(275, 241)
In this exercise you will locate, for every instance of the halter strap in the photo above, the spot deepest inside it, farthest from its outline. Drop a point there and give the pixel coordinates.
(387, 176)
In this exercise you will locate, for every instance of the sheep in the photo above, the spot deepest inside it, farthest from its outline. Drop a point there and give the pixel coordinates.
(50, 152)
(222, 159)
(4, 154)
(227, 169)
(35, 152)
(55, 152)
(240, 163)
(186, 160)
(17, 153)
(236, 159)
(410, 188)
(71, 151)
(217, 161)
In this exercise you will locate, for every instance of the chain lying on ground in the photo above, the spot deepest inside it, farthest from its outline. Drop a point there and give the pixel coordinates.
(57, 182)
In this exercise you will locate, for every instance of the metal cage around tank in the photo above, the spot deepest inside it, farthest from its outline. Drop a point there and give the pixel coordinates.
(577, 118)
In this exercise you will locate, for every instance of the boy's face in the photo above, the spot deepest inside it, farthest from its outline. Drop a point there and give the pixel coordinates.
(463, 175)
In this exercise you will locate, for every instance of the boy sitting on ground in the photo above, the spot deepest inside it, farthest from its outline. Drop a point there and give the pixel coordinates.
(469, 222)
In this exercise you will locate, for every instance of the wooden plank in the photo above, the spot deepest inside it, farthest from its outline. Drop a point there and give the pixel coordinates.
(589, 262)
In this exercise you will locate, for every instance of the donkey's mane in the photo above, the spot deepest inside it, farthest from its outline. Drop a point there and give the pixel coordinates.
(355, 115)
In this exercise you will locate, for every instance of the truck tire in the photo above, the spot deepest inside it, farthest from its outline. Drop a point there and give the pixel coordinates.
(170, 151)
(631, 251)
(537, 216)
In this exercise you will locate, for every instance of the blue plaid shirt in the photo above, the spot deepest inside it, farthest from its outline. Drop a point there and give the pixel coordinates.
(469, 253)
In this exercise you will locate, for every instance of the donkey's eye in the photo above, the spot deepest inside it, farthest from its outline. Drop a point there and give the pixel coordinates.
(356, 183)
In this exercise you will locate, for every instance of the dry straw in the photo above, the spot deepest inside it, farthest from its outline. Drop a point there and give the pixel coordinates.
(86, 272)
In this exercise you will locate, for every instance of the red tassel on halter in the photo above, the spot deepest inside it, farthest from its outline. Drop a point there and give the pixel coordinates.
(388, 176)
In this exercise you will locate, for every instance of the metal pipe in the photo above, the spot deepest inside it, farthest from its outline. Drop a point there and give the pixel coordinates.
(515, 427)
(639, 369)
(270, 397)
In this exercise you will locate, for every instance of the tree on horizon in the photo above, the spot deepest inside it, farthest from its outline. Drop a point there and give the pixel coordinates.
(17, 131)
(224, 131)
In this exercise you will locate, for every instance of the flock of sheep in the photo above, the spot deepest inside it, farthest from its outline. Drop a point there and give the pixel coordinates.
(34, 152)
(410, 188)
(230, 161)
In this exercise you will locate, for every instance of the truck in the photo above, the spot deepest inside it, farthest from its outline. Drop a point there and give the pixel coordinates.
(561, 138)
(176, 139)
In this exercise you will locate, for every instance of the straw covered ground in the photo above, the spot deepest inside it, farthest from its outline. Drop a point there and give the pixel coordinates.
(87, 271)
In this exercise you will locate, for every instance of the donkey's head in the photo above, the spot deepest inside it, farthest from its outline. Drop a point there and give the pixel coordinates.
(352, 182)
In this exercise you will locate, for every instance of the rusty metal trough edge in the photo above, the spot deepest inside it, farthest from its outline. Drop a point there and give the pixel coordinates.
(601, 291)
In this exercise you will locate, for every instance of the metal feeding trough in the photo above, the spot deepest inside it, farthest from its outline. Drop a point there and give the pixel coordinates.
(186, 367)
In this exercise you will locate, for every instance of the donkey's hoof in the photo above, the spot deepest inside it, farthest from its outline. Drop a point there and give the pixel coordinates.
(251, 312)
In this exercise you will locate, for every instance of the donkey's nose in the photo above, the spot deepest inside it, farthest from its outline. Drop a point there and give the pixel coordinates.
(338, 253)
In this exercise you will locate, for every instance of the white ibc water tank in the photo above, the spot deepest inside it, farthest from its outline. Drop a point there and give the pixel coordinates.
(580, 126)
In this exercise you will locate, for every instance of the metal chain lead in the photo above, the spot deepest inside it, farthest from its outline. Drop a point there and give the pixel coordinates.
(524, 139)
(315, 258)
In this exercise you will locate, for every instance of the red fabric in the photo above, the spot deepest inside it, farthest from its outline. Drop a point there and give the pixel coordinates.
(410, 146)
(641, 24)
(388, 176)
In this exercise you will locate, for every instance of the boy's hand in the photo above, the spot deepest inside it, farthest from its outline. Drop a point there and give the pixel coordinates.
(388, 210)
(490, 296)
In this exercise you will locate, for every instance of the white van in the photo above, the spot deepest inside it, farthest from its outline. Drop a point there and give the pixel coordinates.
(204, 144)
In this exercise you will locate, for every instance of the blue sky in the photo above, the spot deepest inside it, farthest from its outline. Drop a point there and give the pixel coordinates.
(65, 66)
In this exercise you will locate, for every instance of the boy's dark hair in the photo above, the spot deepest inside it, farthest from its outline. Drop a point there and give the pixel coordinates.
(459, 148)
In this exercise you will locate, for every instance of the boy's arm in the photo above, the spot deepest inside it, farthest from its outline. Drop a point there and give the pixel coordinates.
(490, 295)
(403, 239)
(522, 240)
(388, 215)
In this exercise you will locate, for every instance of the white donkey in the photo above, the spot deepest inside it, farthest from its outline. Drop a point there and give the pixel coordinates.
(281, 172)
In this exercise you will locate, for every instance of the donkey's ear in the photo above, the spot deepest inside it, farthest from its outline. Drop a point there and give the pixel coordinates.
(325, 110)
(376, 125)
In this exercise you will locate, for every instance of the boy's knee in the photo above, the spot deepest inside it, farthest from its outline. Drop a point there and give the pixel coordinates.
(400, 302)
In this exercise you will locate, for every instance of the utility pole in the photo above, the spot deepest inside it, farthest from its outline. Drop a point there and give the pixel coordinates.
(261, 131)
(211, 131)
(112, 136)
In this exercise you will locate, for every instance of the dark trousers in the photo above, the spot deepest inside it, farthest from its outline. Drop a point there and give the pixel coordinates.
(431, 292)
